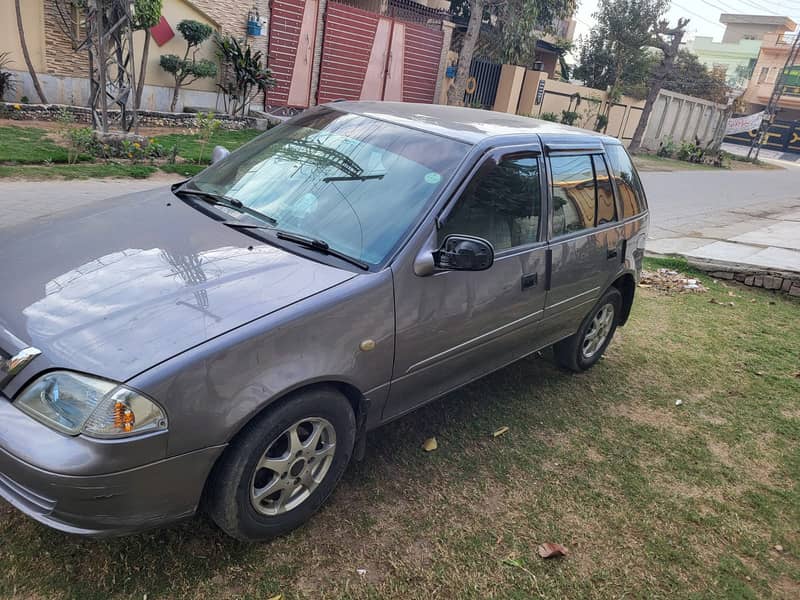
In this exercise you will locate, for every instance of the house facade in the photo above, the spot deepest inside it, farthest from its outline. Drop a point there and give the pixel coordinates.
(318, 50)
(772, 59)
(51, 30)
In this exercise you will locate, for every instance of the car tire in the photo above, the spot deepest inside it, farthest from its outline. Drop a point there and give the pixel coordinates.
(582, 350)
(267, 457)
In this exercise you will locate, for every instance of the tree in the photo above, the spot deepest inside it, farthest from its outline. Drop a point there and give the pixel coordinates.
(668, 40)
(146, 14)
(510, 37)
(691, 77)
(616, 53)
(188, 69)
(26, 54)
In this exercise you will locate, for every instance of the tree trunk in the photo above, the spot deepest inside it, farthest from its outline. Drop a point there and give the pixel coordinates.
(27, 56)
(455, 95)
(142, 69)
(656, 83)
(175, 93)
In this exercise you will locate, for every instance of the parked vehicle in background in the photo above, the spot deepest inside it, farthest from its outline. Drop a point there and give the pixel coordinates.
(232, 339)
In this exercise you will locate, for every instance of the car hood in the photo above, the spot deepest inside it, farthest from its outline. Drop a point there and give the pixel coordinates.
(133, 281)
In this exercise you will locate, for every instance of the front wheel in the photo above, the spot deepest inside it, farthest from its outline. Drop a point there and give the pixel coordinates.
(581, 351)
(282, 466)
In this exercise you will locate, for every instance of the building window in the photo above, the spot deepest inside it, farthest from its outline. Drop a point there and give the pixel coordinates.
(763, 74)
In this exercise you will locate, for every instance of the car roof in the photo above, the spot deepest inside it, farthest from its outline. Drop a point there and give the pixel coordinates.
(470, 125)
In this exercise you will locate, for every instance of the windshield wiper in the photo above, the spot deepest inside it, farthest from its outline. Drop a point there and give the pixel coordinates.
(227, 202)
(354, 178)
(320, 246)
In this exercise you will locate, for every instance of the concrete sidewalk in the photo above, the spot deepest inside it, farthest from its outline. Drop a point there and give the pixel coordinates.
(738, 221)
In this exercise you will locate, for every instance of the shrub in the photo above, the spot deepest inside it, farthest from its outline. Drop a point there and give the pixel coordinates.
(666, 148)
(568, 117)
(8, 83)
(80, 140)
(207, 125)
(188, 69)
(549, 116)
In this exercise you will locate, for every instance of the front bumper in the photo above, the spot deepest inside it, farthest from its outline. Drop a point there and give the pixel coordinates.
(111, 504)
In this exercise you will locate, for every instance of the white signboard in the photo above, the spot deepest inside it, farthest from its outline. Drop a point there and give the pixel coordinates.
(742, 124)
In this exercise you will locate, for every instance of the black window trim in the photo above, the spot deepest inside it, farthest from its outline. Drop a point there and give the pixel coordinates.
(497, 153)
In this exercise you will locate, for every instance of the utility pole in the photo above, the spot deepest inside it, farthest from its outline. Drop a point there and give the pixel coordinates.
(777, 92)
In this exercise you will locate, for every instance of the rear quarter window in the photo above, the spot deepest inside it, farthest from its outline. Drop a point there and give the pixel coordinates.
(631, 193)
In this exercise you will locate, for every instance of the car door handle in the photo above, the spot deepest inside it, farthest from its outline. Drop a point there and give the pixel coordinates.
(611, 254)
(530, 280)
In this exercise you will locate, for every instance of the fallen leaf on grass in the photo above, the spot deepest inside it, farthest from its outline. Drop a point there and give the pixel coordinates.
(277, 597)
(499, 432)
(551, 550)
(430, 444)
(678, 402)
(797, 375)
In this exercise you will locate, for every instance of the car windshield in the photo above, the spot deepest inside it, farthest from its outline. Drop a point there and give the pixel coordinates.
(354, 182)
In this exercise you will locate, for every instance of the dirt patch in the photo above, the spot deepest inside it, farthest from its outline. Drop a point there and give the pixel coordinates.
(668, 281)
(644, 415)
(786, 587)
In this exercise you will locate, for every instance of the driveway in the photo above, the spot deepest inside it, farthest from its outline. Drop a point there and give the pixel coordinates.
(729, 217)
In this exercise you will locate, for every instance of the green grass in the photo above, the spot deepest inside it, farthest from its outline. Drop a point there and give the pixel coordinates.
(653, 500)
(29, 145)
(78, 171)
(27, 152)
(190, 147)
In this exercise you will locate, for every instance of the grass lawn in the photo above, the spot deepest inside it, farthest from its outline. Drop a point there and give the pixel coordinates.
(652, 162)
(29, 145)
(27, 153)
(190, 148)
(653, 500)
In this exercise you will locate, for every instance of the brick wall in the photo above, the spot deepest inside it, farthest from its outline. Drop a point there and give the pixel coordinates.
(60, 57)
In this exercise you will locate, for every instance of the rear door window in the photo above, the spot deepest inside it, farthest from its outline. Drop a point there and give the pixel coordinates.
(631, 193)
(573, 194)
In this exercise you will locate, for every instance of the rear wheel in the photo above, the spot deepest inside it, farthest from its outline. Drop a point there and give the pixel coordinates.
(581, 351)
(282, 466)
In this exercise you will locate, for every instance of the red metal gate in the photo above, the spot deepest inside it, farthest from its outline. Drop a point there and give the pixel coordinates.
(365, 56)
(293, 29)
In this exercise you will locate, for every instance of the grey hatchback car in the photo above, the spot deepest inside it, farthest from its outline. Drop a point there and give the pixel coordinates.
(228, 342)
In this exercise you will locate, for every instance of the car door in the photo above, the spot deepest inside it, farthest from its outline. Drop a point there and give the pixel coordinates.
(454, 326)
(585, 249)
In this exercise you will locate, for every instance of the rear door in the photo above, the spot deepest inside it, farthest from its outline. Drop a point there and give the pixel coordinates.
(454, 326)
(585, 250)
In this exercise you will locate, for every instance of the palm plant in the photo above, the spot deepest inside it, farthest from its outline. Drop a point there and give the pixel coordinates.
(7, 80)
(247, 75)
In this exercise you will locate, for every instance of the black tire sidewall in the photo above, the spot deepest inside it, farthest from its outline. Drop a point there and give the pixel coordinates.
(229, 492)
(613, 297)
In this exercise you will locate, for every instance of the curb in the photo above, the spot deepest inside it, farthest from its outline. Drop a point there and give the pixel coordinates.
(777, 280)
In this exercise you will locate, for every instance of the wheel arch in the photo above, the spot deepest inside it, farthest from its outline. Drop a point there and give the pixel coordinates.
(626, 284)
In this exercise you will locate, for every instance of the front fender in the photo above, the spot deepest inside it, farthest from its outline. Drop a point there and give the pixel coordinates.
(210, 392)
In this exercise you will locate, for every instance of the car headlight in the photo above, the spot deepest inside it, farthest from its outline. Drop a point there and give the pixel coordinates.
(73, 403)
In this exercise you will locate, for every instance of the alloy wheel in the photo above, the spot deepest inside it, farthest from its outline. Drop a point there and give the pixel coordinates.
(598, 331)
(293, 466)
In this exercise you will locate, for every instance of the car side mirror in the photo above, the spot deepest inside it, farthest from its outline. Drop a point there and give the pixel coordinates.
(219, 153)
(464, 253)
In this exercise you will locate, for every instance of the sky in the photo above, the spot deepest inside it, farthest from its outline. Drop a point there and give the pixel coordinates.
(704, 14)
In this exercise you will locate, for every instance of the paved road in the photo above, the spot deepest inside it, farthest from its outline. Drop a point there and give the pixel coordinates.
(24, 200)
(739, 216)
(736, 217)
